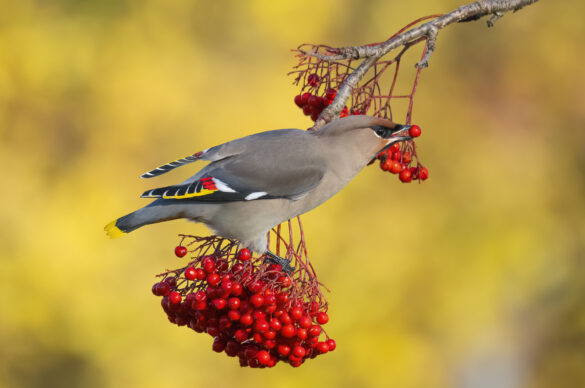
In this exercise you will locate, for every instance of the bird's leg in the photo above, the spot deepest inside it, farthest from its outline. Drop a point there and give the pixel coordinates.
(275, 259)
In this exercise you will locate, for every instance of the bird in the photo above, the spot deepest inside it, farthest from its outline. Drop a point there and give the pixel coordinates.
(257, 182)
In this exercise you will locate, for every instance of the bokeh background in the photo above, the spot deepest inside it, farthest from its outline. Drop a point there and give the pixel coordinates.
(473, 279)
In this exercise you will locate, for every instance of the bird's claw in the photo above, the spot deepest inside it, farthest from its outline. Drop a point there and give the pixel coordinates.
(284, 263)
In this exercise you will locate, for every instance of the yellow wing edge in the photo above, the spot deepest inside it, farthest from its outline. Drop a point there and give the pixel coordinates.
(199, 194)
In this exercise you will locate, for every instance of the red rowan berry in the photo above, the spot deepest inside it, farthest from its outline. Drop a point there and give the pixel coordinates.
(175, 297)
(414, 131)
(180, 251)
(299, 100)
(313, 79)
(405, 176)
(322, 318)
(244, 254)
(190, 273)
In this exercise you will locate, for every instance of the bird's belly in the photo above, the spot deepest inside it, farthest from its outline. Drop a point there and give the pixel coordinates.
(250, 220)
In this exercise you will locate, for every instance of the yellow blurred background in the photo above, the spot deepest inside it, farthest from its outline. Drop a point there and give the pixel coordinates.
(473, 279)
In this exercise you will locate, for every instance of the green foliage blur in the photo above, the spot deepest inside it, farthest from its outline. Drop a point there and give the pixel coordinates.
(472, 279)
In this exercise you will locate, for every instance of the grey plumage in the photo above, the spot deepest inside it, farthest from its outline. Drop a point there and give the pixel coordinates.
(256, 182)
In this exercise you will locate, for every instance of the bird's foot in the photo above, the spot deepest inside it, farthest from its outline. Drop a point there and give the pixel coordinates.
(275, 259)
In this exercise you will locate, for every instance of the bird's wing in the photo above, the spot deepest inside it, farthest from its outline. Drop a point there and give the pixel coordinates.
(172, 165)
(279, 165)
(212, 154)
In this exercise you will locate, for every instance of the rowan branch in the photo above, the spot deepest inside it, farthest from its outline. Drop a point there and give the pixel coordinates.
(427, 31)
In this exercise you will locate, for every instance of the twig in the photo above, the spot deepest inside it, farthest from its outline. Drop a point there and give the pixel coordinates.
(428, 31)
(431, 42)
(491, 21)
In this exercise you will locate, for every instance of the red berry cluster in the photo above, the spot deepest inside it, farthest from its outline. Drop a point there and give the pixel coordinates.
(397, 159)
(251, 308)
(313, 105)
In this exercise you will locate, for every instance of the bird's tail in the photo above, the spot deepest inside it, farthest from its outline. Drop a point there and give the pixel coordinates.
(113, 231)
(157, 211)
(135, 220)
(125, 224)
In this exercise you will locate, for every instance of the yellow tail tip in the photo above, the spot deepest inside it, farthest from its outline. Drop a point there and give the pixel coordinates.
(113, 231)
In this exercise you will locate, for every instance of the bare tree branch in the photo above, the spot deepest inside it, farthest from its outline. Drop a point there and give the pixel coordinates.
(428, 31)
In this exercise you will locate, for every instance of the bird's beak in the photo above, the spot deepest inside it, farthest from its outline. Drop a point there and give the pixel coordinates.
(397, 137)
(401, 129)
(394, 139)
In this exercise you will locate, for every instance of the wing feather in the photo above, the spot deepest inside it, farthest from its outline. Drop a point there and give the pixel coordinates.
(274, 164)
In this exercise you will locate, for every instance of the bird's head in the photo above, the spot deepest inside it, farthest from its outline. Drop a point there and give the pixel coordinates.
(367, 135)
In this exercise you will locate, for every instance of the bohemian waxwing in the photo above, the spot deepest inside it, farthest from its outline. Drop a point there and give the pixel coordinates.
(259, 181)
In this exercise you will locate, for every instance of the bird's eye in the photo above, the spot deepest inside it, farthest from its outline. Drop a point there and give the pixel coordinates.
(381, 131)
